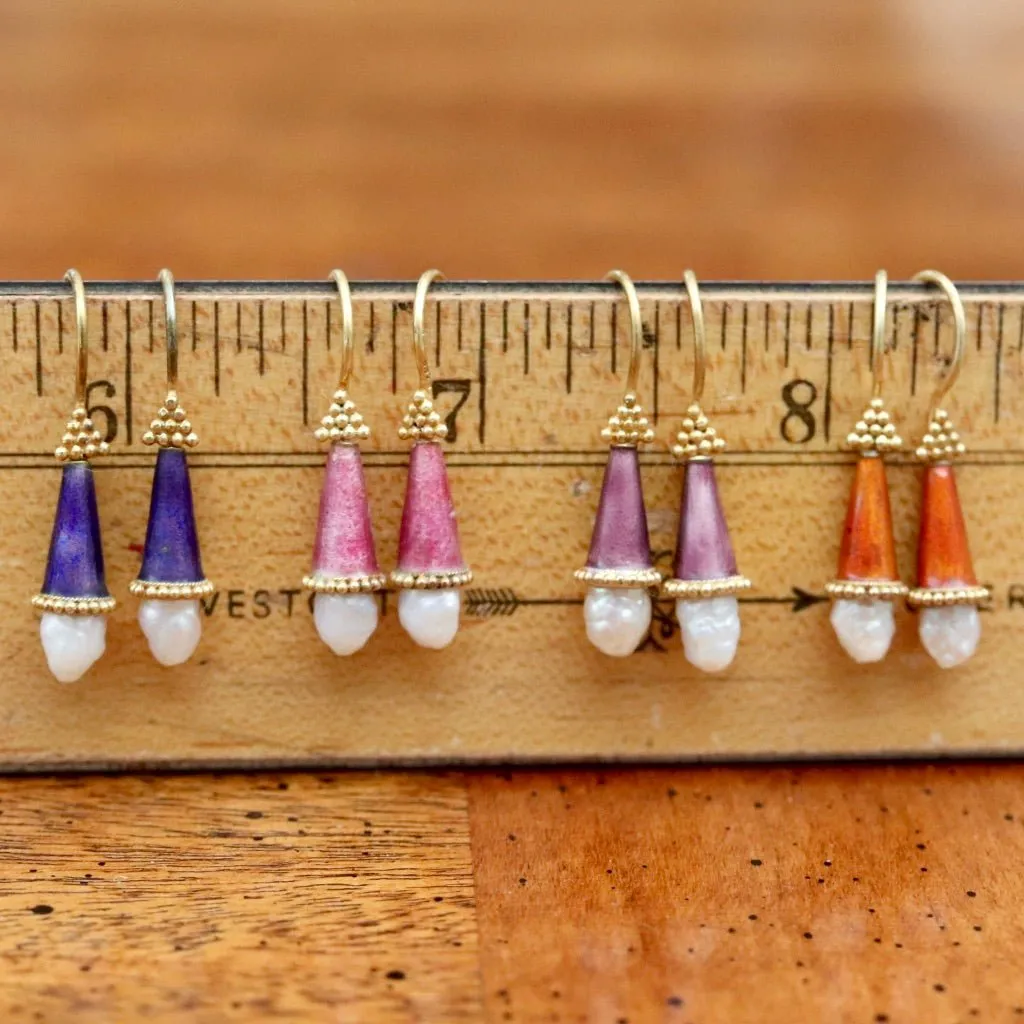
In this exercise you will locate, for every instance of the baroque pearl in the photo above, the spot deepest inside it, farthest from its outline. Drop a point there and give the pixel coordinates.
(172, 628)
(864, 628)
(72, 643)
(617, 619)
(951, 634)
(711, 631)
(430, 617)
(345, 621)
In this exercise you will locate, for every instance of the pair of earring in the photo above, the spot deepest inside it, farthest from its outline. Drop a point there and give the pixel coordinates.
(867, 584)
(431, 568)
(619, 571)
(74, 599)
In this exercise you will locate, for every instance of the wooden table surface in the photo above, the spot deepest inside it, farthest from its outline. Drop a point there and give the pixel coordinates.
(275, 139)
(857, 893)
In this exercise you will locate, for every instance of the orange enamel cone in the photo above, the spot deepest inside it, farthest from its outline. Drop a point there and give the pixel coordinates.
(943, 554)
(867, 551)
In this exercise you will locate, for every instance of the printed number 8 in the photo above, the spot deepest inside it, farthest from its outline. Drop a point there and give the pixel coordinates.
(798, 425)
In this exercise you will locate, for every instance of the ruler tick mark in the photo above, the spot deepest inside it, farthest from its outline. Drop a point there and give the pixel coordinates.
(238, 327)
(151, 331)
(526, 339)
(725, 323)
(482, 370)
(828, 370)
(216, 349)
(262, 365)
(39, 352)
(913, 350)
(615, 336)
(999, 361)
(394, 350)
(657, 350)
(60, 327)
(370, 341)
(590, 327)
(743, 351)
(195, 338)
(504, 326)
(807, 326)
(767, 327)
(785, 334)
(14, 325)
(547, 327)
(437, 332)
(568, 347)
(106, 333)
(284, 328)
(128, 371)
(305, 361)
(849, 327)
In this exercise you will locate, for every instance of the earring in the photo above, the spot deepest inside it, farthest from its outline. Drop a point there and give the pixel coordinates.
(171, 579)
(617, 608)
(345, 572)
(430, 563)
(705, 577)
(867, 582)
(74, 598)
(947, 592)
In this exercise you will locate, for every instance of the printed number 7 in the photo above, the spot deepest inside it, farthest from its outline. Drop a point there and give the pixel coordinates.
(457, 386)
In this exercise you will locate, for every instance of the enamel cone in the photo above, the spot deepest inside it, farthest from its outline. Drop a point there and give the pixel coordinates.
(171, 553)
(429, 538)
(943, 554)
(75, 564)
(620, 540)
(704, 548)
(868, 549)
(344, 535)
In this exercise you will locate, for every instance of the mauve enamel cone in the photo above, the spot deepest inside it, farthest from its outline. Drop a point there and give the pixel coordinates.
(429, 537)
(703, 550)
(620, 540)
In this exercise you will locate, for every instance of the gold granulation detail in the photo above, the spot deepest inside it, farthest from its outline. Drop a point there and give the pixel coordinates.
(639, 577)
(628, 425)
(697, 439)
(864, 590)
(943, 597)
(874, 432)
(343, 422)
(691, 590)
(159, 591)
(431, 579)
(942, 442)
(81, 440)
(171, 428)
(319, 584)
(73, 605)
(421, 422)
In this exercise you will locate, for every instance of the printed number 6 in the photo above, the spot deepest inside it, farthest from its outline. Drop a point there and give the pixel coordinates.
(108, 414)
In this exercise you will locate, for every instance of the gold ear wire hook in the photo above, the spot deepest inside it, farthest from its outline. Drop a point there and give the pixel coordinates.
(166, 279)
(636, 327)
(347, 346)
(628, 426)
(949, 289)
(700, 347)
(419, 307)
(878, 333)
(73, 278)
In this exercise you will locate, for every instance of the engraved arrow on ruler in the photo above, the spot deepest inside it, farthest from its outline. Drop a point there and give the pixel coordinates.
(486, 603)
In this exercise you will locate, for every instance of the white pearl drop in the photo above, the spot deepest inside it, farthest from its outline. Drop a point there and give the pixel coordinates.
(345, 621)
(864, 628)
(710, 630)
(430, 617)
(72, 643)
(617, 619)
(172, 628)
(951, 634)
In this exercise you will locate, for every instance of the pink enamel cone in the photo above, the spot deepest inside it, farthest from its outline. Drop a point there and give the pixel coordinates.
(344, 536)
(429, 538)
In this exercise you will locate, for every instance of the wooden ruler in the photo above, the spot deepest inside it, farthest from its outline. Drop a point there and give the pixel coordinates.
(526, 375)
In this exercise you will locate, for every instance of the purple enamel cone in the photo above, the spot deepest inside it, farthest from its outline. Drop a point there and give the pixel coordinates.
(703, 550)
(75, 565)
(619, 540)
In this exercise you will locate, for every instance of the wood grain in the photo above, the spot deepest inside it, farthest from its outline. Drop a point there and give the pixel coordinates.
(839, 894)
(317, 898)
(264, 139)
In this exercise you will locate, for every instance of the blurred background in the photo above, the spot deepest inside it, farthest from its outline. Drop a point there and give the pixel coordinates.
(279, 138)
